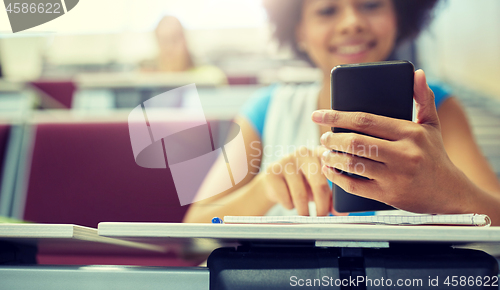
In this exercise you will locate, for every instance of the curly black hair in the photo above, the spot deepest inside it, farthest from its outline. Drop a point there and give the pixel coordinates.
(285, 15)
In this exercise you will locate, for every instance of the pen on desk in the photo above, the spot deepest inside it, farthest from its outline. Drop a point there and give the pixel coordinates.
(217, 220)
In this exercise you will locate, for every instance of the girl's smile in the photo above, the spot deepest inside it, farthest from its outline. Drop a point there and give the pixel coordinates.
(352, 51)
(334, 32)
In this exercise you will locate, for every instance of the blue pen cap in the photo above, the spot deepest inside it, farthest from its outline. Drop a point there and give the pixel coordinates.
(217, 220)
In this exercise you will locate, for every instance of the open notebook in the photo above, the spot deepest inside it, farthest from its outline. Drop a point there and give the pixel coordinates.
(451, 219)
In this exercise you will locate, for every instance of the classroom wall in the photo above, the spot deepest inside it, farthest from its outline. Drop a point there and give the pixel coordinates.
(23, 57)
(462, 45)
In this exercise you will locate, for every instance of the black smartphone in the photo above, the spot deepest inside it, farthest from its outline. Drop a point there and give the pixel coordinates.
(381, 88)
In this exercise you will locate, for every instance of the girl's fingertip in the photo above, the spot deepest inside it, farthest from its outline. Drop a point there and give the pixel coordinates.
(317, 116)
(324, 137)
(422, 73)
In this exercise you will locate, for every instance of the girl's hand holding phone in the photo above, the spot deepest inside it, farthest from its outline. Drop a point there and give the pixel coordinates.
(411, 170)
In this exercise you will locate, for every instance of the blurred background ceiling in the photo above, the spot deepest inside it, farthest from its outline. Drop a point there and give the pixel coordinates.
(461, 46)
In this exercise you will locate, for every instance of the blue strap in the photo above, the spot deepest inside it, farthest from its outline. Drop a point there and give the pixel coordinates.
(255, 109)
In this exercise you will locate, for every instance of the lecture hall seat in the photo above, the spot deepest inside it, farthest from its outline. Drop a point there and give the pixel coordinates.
(85, 173)
(4, 138)
(60, 91)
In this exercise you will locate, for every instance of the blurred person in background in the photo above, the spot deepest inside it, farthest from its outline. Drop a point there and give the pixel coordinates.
(174, 55)
(1, 73)
(432, 165)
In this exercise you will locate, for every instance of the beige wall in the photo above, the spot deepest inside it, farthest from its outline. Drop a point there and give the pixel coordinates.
(22, 57)
(463, 45)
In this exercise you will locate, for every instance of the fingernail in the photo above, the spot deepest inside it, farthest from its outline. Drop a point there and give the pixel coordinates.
(317, 116)
(326, 153)
(324, 137)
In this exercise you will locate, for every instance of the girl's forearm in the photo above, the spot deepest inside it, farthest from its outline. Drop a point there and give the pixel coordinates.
(249, 200)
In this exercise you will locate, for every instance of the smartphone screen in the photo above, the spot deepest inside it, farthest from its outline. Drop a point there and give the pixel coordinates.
(381, 88)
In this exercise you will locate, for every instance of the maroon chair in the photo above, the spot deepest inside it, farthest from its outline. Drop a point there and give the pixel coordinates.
(60, 91)
(4, 138)
(242, 80)
(85, 173)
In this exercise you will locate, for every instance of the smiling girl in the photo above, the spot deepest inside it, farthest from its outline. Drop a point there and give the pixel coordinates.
(432, 165)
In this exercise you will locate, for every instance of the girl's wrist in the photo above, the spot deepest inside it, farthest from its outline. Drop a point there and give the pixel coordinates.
(259, 187)
(474, 199)
(471, 194)
(488, 204)
(463, 194)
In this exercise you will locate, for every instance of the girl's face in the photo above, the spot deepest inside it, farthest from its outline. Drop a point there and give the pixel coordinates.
(334, 32)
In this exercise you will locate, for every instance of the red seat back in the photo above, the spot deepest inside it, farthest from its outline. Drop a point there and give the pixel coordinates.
(4, 138)
(85, 173)
(61, 91)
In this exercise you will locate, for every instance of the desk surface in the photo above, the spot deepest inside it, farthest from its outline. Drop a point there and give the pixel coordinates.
(67, 238)
(162, 233)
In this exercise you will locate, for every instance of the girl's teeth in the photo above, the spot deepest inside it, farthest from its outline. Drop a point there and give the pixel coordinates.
(351, 49)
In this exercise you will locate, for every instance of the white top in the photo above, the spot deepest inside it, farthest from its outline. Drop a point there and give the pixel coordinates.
(288, 127)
